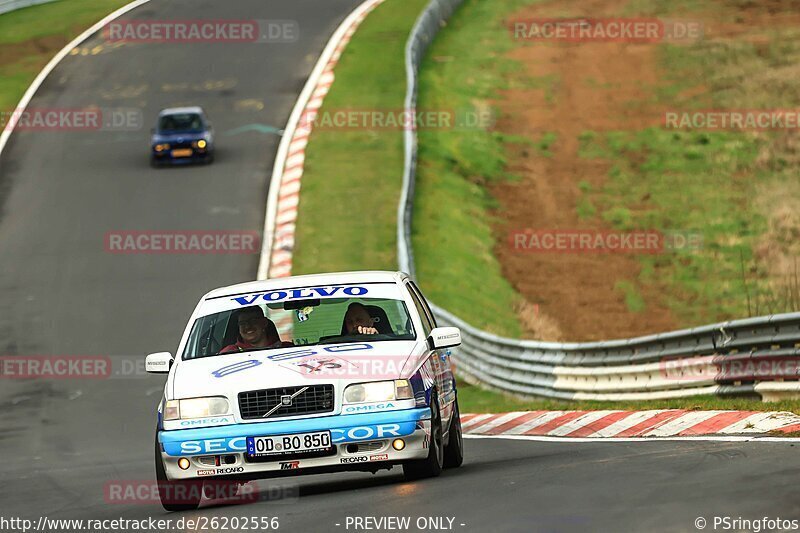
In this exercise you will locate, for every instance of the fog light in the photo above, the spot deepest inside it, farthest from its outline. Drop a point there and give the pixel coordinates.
(398, 444)
(183, 463)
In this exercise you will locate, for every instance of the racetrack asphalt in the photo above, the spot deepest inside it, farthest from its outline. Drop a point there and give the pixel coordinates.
(64, 441)
(504, 485)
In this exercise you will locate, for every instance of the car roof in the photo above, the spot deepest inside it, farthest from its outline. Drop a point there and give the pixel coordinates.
(311, 280)
(179, 110)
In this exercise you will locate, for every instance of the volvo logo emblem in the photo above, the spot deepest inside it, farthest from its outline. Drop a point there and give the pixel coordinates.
(286, 401)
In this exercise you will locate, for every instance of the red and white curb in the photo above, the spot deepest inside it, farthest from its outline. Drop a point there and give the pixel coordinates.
(276, 261)
(284, 194)
(662, 423)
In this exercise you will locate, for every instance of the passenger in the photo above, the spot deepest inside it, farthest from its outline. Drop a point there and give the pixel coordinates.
(255, 331)
(358, 321)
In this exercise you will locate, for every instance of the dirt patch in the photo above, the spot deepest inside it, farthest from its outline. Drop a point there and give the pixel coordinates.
(594, 87)
(48, 46)
(601, 87)
(749, 14)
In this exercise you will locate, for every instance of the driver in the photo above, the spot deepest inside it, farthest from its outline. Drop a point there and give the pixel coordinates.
(255, 331)
(357, 320)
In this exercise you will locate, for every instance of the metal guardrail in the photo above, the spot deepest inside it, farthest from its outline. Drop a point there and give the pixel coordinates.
(422, 34)
(7, 6)
(750, 356)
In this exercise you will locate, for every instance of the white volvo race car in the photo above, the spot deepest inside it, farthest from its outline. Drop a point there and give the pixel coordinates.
(306, 375)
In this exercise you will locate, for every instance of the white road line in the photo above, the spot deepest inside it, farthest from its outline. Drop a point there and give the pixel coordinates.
(331, 53)
(713, 438)
(64, 52)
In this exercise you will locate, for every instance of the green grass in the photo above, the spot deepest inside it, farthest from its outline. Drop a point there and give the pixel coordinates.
(685, 181)
(698, 183)
(711, 183)
(452, 235)
(633, 300)
(472, 399)
(352, 181)
(34, 34)
(545, 142)
(691, 183)
(65, 18)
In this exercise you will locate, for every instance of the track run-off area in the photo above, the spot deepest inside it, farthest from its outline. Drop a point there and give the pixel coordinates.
(66, 442)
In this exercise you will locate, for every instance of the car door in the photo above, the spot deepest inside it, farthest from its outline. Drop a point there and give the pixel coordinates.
(440, 359)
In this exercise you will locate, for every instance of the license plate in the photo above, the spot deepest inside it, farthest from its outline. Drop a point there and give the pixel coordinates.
(182, 152)
(282, 444)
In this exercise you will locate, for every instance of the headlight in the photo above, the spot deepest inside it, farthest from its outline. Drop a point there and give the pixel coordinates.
(201, 143)
(196, 408)
(378, 391)
(161, 147)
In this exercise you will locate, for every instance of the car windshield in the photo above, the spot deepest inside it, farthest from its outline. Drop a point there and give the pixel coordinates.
(299, 323)
(180, 123)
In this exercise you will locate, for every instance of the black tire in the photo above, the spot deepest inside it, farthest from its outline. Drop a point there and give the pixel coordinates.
(432, 465)
(454, 451)
(176, 496)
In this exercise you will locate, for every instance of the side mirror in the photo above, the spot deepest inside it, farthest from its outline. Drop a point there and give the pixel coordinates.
(444, 338)
(158, 363)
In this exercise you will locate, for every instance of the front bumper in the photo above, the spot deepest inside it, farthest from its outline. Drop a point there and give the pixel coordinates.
(361, 442)
(166, 156)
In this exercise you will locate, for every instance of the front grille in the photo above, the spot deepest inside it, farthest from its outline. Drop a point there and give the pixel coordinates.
(257, 403)
(208, 460)
(365, 447)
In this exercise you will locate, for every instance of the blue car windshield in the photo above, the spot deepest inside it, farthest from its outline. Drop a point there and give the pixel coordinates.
(180, 123)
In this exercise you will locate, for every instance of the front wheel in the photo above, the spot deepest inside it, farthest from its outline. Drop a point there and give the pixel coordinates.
(454, 451)
(176, 495)
(432, 465)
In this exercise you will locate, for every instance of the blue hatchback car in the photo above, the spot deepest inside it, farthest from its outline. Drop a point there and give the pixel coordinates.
(183, 135)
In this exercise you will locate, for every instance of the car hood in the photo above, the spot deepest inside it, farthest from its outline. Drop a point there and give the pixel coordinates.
(340, 365)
